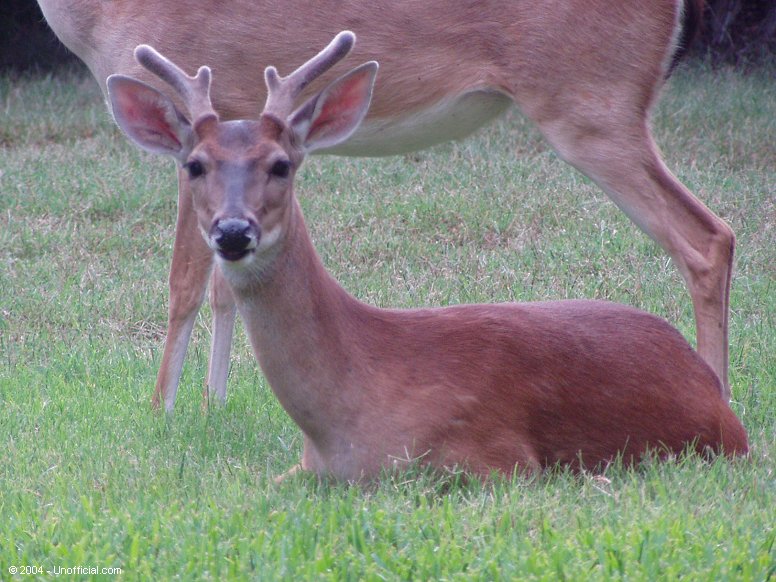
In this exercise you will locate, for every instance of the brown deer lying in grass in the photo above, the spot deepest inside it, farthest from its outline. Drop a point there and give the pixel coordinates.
(483, 387)
(587, 73)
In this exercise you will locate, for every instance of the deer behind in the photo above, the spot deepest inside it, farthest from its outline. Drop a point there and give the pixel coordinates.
(587, 73)
(484, 387)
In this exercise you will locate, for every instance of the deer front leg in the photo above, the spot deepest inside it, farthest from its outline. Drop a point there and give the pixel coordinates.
(296, 469)
(192, 262)
(224, 310)
(311, 462)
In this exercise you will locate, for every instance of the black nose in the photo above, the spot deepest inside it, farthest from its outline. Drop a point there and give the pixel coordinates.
(234, 238)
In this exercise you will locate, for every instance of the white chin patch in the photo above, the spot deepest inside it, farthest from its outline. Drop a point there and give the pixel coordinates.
(244, 260)
(268, 239)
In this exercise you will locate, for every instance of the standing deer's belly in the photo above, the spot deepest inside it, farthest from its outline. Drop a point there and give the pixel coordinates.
(446, 120)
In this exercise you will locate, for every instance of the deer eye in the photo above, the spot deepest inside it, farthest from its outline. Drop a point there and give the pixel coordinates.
(194, 168)
(280, 169)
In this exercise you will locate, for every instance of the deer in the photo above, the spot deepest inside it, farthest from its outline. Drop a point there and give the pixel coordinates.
(484, 388)
(587, 73)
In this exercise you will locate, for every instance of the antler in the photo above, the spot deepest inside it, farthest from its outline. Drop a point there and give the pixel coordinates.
(195, 91)
(282, 91)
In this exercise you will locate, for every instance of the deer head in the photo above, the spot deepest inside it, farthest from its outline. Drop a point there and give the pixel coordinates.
(240, 173)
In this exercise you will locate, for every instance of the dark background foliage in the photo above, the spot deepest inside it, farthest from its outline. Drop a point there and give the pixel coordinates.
(739, 32)
(26, 42)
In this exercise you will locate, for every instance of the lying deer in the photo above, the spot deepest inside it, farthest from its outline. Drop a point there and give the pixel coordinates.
(483, 387)
(586, 73)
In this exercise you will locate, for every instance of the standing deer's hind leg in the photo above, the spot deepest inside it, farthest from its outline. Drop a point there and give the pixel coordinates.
(623, 159)
(192, 261)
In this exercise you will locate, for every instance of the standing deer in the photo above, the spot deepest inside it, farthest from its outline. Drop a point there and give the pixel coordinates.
(587, 72)
(483, 387)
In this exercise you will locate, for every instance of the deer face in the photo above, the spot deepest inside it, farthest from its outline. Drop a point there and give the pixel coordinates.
(240, 173)
(240, 176)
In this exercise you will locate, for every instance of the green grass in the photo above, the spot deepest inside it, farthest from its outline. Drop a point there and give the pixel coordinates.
(90, 477)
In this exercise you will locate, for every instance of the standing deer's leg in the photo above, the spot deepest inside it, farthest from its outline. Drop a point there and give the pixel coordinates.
(192, 262)
(624, 160)
(224, 310)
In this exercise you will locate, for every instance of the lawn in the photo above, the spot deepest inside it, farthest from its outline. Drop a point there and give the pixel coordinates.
(91, 478)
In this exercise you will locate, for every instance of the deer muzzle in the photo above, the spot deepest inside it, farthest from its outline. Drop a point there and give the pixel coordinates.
(234, 238)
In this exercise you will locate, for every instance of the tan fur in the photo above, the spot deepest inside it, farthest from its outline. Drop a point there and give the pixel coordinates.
(517, 386)
(586, 72)
(485, 387)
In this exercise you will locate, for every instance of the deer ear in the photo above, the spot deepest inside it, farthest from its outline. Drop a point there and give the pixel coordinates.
(331, 117)
(149, 118)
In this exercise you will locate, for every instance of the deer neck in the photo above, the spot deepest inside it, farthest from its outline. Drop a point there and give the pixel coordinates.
(299, 321)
